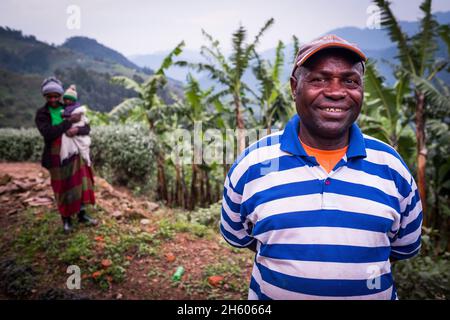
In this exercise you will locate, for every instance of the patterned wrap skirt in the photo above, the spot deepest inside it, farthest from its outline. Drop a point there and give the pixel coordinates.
(72, 182)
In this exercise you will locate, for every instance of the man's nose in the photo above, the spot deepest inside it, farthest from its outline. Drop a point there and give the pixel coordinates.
(335, 90)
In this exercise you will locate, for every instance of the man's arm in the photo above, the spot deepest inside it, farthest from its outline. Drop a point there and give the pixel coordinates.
(407, 240)
(232, 226)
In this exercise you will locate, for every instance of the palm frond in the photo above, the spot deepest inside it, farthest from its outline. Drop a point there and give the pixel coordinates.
(127, 83)
(396, 34)
(238, 58)
(217, 56)
(125, 107)
(444, 32)
(261, 32)
(433, 96)
(168, 60)
(193, 95)
(436, 68)
(279, 62)
(377, 91)
(296, 47)
(425, 40)
(214, 51)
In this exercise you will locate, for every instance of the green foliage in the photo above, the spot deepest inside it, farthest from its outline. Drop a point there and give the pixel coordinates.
(273, 98)
(147, 105)
(423, 278)
(207, 216)
(125, 152)
(16, 279)
(20, 145)
(20, 97)
(79, 246)
(383, 115)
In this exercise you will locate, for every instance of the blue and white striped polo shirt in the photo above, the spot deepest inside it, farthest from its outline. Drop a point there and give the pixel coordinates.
(321, 235)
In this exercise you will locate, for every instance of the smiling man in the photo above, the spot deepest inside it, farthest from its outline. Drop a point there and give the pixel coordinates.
(325, 207)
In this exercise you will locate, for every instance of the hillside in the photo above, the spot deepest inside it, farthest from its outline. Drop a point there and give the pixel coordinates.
(25, 62)
(99, 52)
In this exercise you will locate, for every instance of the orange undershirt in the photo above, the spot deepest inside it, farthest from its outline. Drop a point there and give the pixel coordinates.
(326, 158)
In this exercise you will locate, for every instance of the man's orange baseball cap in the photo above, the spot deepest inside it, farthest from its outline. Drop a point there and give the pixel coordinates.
(328, 41)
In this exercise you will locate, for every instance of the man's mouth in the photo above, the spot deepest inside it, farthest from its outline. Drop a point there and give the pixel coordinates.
(334, 112)
(333, 109)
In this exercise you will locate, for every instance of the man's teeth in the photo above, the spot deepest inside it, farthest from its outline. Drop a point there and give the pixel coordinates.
(334, 110)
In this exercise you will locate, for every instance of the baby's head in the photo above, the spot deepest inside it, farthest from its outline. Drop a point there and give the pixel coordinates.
(70, 96)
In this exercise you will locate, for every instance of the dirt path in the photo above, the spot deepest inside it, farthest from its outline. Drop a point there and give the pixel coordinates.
(132, 254)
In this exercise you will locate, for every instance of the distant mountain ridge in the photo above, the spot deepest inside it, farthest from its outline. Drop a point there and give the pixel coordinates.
(26, 61)
(91, 48)
(374, 42)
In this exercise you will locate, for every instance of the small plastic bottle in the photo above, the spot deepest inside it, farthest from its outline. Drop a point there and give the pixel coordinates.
(178, 274)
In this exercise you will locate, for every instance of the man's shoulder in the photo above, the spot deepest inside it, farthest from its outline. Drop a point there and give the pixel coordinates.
(270, 141)
(383, 153)
(264, 149)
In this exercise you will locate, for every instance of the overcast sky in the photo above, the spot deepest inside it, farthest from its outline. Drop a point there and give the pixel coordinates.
(147, 26)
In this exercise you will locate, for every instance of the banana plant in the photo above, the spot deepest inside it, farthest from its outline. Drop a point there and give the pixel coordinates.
(384, 110)
(149, 107)
(418, 64)
(228, 72)
(271, 98)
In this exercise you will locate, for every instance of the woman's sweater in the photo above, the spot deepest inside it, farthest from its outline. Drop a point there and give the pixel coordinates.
(50, 133)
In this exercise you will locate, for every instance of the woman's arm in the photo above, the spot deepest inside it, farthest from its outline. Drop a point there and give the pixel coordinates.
(49, 132)
(84, 130)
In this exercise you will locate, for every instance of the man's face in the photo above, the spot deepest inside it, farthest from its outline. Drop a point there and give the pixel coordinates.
(329, 94)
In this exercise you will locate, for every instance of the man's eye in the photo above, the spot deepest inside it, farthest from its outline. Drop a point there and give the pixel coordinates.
(318, 80)
(351, 82)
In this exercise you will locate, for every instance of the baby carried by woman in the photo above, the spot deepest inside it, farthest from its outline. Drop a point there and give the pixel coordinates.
(77, 144)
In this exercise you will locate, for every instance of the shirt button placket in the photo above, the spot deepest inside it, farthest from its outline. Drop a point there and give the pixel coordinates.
(326, 204)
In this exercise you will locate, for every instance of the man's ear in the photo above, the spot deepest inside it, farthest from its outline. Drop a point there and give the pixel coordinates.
(293, 81)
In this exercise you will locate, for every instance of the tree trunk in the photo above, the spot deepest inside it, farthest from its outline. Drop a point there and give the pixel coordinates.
(421, 153)
(239, 125)
(218, 193)
(268, 120)
(193, 199)
(202, 188)
(178, 188)
(184, 189)
(208, 189)
(162, 184)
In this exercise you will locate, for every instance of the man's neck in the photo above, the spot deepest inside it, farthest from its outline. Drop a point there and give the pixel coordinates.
(322, 143)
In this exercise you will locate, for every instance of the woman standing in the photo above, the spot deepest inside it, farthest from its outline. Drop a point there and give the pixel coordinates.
(72, 181)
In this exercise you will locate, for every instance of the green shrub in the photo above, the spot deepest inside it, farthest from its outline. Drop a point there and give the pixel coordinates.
(207, 216)
(122, 154)
(423, 277)
(20, 145)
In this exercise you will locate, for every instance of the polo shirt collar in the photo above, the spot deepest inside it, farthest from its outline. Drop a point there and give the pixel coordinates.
(289, 141)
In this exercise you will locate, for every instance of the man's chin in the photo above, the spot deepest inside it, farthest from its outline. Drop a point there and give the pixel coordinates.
(332, 130)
